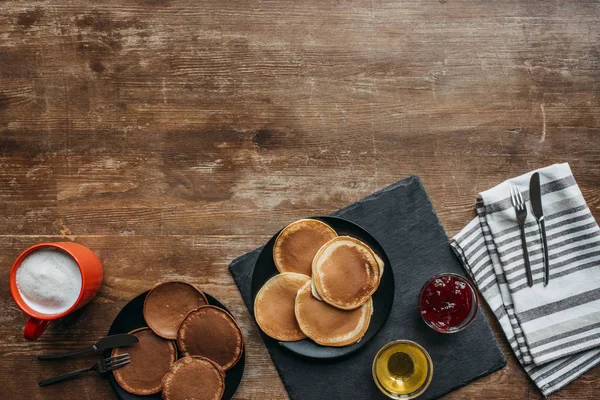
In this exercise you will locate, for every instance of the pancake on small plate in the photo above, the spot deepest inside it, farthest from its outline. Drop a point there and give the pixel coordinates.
(346, 272)
(211, 332)
(196, 378)
(167, 305)
(328, 325)
(274, 306)
(297, 244)
(151, 359)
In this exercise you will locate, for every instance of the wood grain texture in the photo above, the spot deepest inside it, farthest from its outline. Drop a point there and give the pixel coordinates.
(171, 136)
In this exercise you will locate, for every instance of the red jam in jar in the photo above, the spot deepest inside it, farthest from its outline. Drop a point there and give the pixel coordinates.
(448, 303)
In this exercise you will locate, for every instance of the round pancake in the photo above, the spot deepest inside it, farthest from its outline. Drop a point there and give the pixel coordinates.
(274, 306)
(167, 305)
(298, 243)
(212, 333)
(346, 272)
(151, 359)
(195, 378)
(380, 262)
(331, 326)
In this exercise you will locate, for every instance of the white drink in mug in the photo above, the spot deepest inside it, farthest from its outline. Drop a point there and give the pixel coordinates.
(49, 281)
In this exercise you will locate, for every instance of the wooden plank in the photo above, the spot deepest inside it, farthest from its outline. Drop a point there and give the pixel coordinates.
(172, 136)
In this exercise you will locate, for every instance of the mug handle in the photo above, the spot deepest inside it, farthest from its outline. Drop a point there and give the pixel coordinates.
(35, 327)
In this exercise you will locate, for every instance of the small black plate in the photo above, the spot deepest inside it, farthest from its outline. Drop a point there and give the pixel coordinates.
(132, 317)
(382, 299)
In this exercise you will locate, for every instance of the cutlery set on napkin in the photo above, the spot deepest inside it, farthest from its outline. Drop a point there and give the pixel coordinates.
(535, 196)
(539, 272)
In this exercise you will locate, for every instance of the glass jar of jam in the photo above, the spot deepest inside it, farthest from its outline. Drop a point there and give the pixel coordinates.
(448, 303)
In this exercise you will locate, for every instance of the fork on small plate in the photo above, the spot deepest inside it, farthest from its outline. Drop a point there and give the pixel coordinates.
(102, 366)
(519, 204)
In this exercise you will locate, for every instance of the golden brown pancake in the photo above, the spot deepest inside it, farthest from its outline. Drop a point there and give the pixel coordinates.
(298, 243)
(328, 325)
(274, 306)
(151, 359)
(167, 305)
(380, 262)
(196, 378)
(212, 333)
(345, 272)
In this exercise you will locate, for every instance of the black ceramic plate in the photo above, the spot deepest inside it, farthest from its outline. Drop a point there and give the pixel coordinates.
(132, 317)
(382, 299)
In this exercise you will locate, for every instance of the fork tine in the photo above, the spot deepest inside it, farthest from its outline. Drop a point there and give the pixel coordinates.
(512, 197)
(520, 201)
(118, 357)
(118, 365)
(521, 198)
(117, 360)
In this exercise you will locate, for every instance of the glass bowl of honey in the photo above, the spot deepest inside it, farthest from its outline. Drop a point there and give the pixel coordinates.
(448, 303)
(402, 369)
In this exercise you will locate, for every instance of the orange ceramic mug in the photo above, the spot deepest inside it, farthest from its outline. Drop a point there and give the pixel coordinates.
(91, 279)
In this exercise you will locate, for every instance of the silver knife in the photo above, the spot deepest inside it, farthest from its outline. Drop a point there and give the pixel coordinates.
(109, 342)
(535, 196)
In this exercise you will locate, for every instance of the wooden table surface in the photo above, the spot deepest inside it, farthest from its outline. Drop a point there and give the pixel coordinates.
(173, 136)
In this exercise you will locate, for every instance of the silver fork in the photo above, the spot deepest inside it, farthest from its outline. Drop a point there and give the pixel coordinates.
(102, 367)
(519, 204)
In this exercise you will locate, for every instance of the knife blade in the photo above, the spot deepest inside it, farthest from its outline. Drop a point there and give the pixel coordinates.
(535, 196)
(109, 342)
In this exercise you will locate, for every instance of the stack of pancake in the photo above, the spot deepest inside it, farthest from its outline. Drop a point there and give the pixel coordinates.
(209, 340)
(323, 289)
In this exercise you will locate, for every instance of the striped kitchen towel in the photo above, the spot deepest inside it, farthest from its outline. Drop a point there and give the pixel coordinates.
(554, 330)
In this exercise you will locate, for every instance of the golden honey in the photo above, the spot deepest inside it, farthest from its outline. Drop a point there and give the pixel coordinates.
(402, 369)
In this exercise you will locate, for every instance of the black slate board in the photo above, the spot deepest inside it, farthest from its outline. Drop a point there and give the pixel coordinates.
(402, 219)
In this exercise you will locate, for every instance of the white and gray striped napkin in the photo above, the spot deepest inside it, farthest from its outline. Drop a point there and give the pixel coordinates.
(554, 330)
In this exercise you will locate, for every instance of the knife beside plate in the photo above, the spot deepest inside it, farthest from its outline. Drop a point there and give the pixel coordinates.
(535, 196)
(109, 342)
